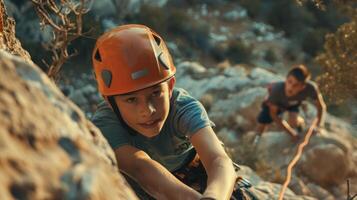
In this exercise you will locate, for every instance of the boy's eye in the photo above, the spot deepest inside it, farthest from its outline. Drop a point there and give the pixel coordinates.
(131, 100)
(156, 93)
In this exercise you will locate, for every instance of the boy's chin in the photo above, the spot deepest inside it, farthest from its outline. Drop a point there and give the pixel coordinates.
(150, 133)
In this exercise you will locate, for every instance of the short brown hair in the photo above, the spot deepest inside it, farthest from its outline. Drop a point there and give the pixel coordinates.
(300, 72)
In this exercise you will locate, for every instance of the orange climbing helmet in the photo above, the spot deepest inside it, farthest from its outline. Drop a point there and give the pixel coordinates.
(129, 58)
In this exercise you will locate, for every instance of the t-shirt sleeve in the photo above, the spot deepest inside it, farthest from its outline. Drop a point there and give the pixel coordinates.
(107, 122)
(192, 117)
(313, 90)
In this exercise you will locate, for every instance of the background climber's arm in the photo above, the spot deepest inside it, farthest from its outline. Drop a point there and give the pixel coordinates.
(151, 175)
(321, 109)
(219, 167)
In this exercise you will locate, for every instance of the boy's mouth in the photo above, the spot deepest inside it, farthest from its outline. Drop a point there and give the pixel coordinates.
(150, 124)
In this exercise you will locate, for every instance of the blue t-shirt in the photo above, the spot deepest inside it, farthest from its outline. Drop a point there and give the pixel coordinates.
(278, 97)
(171, 147)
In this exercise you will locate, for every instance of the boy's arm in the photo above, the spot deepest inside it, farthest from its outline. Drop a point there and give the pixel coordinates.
(152, 176)
(219, 167)
(273, 110)
(321, 109)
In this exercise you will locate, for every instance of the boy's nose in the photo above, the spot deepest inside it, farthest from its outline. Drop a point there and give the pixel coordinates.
(147, 109)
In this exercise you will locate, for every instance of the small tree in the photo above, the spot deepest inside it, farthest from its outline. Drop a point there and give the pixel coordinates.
(339, 59)
(339, 62)
(64, 18)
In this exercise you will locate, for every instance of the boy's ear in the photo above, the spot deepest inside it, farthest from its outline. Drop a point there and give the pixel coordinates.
(171, 83)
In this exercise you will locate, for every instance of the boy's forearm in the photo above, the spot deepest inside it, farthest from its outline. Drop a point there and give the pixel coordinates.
(221, 179)
(161, 184)
(283, 124)
(321, 110)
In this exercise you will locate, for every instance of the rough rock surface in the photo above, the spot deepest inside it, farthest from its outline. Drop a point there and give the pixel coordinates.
(8, 41)
(48, 148)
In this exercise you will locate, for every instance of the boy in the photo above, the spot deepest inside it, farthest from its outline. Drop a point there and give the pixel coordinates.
(155, 129)
(287, 96)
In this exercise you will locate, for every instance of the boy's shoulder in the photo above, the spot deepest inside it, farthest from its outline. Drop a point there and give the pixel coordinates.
(312, 89)
(180, 97)
(278, 84)
(103, 110)
(104, 117)
(276, 87)
(312, 84)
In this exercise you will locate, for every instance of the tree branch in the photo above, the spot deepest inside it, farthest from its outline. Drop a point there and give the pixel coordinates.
(65, 20)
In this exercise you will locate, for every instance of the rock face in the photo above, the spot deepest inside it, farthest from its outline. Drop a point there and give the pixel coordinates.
(8, 41)
(48, 148)
(321, 170)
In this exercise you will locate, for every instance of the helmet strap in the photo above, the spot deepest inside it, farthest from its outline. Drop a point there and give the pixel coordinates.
(117, 113)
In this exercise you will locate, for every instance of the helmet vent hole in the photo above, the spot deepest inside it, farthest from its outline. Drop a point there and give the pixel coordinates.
(157, 39)
(163, 60)
(97, 56)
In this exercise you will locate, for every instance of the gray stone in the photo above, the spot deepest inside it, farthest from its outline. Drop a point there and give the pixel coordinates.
(322, 171)
(233, 15)
(262, 77)
(103, 8)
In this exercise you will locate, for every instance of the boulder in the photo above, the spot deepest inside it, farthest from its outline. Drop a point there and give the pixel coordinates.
(238, 110)
(327, 161)
(200, 81)
(332, 170)
(319, 192)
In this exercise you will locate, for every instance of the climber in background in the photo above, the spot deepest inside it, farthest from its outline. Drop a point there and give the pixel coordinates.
(287, 96)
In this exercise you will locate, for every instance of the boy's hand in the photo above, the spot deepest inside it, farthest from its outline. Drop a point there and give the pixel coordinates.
(294, 135)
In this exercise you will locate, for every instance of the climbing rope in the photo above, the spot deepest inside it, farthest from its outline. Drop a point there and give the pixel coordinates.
(296, 158)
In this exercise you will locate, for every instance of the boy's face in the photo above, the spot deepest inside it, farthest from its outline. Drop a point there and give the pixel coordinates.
(146, 110)
(293, 86)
